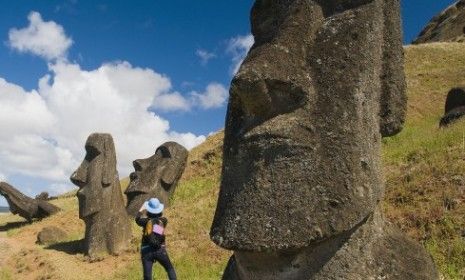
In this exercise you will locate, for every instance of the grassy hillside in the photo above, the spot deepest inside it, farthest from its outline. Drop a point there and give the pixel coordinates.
(425, 194)
(424, 165)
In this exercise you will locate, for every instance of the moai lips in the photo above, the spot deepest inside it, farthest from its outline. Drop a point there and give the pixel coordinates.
(101, 203)
(156, 176)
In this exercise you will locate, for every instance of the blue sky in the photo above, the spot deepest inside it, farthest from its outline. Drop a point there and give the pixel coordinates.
(182, 53)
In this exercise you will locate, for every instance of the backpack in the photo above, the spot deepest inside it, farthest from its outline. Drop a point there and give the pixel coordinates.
(154, 233)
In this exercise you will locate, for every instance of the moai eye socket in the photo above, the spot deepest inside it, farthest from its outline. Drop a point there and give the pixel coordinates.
(91, 153)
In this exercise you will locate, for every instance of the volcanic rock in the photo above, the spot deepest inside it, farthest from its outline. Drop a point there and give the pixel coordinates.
(25, 206)
(101, 203)
(156, 176)
(301, 178)
(448, 26)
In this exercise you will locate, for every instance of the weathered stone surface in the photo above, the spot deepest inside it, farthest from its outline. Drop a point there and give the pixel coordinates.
(42, 196)
(25, 206)
(156, 176)
(51, 234)
(452, 115)
(301, 178)
(455, 106)
(448, 26)
(101, 203)
(455, 98)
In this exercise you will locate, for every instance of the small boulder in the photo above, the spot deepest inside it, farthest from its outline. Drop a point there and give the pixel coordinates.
(51, 234)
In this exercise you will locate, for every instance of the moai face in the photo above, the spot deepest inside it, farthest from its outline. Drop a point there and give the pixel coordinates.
(156, 176)
(301, 150)
(96, 172)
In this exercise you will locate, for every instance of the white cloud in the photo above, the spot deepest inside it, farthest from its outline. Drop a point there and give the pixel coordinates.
(205, 56)
(171, 102)
(43, 38)
(214, 96)
(2, 177)
(44, 131)
(238, 47)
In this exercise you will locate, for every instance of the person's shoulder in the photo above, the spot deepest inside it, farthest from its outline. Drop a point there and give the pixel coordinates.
(164, 220)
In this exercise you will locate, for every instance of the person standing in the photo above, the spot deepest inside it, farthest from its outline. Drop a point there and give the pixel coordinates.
(153, 247)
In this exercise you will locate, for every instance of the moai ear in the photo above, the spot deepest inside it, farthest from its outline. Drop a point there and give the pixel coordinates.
(393, 99)
(109, 172)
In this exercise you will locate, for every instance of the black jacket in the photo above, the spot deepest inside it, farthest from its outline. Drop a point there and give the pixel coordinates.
(142, 219)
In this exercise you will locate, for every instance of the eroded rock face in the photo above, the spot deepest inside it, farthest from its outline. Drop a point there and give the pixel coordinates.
(101, 203)
(25, 206)
(455, 106)
(448, 26)
(50, 234)
(156, 176)
(301, 167)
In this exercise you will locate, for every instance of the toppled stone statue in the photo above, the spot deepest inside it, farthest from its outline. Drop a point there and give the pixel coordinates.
(101, 203)
(25, 206)
(301, 178)
(455, 106)
(156, 176)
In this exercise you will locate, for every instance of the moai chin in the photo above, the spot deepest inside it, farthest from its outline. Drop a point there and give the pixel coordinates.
(25, 206)
(156, 176)
(301, 178)
(101, 203)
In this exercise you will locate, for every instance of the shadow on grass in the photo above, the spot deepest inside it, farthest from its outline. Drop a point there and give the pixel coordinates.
(13, 225)
(70, 247)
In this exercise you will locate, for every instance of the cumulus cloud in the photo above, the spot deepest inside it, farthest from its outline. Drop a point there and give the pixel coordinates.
(238, 47)
(45, 129)
(43, 38)
(204, 56)
(214, 96)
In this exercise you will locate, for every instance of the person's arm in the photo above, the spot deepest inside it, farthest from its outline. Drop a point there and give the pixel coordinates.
(141, 217)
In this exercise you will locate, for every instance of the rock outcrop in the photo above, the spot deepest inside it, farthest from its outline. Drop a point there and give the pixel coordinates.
(301, 178)
(455, 106)
(51, 234)
(448, 26)
(25, 206)
(101, 203)
(156, 176)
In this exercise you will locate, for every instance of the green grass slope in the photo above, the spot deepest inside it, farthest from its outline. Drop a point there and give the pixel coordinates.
(425, 194)
(424, 165)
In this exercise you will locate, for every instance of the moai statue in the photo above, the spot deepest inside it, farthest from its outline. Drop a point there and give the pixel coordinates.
(101, 203)
(156, 176)
(455, 106)
(301, 178)
(25, 206)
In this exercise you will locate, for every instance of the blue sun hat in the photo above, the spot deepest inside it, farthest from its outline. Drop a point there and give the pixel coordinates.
(154, 206)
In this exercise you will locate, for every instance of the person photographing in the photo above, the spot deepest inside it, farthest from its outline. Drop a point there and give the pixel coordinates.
(153, 248)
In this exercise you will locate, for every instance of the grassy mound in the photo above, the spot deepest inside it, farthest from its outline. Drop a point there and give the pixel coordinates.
(425, 194)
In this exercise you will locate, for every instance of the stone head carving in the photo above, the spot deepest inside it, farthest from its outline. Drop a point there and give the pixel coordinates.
(156, 176)
(101, 203)
(25, 206)
(301, 177)
(302, 137)
(97, 172)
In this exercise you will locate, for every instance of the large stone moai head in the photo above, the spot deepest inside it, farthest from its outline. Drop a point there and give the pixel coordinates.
(156, 176)
(307, 108)
(101, 203)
